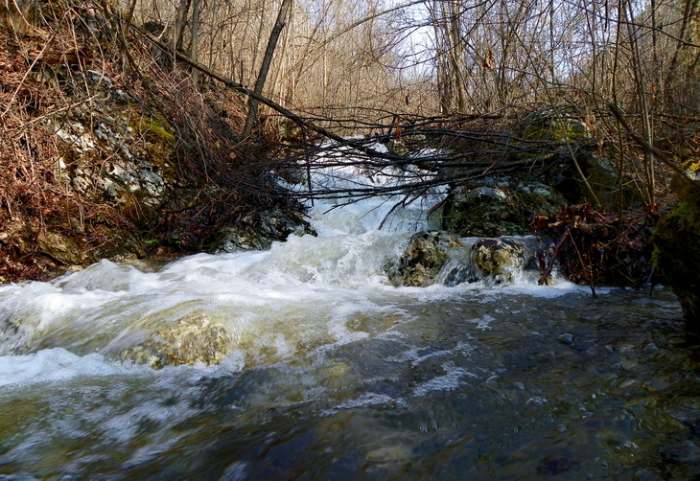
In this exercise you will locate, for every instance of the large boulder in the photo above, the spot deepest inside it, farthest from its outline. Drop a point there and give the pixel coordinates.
(677, 245)
(565, 148)
(553, 125)
(498, 259)
(440, 257)
(194, 339)
(423, 259)
(498, 207)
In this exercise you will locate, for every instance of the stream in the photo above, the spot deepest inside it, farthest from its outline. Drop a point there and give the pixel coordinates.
(328, 372)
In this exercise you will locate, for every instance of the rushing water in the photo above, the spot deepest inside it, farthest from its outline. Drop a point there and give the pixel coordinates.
(336, 375)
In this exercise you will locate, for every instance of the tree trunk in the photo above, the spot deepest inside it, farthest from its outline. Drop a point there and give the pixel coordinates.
(193, 51)
(282, 16)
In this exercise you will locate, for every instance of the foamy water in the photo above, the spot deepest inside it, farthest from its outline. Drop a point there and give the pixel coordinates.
(297, 295)
(329, 371)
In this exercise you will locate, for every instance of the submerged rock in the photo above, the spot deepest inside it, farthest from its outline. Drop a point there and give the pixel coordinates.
(191, 340)
(566, 338)
(423, 259)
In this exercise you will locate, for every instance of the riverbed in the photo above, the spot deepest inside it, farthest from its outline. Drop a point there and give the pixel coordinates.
(332, 373)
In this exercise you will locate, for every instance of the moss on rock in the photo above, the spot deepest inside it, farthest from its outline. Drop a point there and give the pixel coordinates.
(498, 259)
(423, 259)
(677, 248)
(503, 209)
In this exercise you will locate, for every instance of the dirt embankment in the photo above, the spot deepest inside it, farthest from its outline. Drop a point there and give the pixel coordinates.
(108, 150)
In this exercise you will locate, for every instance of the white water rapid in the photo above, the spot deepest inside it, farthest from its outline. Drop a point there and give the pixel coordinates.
(305, 362)
(299, 295)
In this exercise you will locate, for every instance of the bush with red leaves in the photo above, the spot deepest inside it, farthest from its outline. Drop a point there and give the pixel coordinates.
(598, 248)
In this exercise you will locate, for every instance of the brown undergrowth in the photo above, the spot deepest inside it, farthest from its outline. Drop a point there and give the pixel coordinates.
(598, 248)
(107, 149)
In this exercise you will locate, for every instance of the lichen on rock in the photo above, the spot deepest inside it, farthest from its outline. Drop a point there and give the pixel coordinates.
(194, 339)
(498, 259)
(423, 259)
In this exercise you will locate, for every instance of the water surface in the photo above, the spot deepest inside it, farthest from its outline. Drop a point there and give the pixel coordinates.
(336, 375)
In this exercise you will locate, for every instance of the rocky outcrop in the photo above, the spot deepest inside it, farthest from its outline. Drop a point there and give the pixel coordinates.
(498, 259)
(440, 257)
(114, 151)
(498, 207)
(677, 245)
(423, 259)
(100, 161)
(194, 339)
(260, 229)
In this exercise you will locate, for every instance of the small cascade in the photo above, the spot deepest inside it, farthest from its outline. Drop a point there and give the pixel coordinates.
(254, 307)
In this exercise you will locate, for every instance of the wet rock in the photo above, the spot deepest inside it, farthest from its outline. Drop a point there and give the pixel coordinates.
(483, 211)
(554, 466)
(566, 338)
(390, 454)
(191, 340)
(499, 207)
(498, 259)
(60, 247)
(438, 256)
(686, 452)
(423, 259)
(645, 475)
(277, 224)
(235, 239)
(259, 230)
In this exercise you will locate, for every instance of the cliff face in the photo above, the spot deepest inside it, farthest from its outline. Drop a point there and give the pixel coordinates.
(109, 151)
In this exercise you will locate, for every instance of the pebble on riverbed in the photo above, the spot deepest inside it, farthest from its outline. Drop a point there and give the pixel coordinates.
(566, 338)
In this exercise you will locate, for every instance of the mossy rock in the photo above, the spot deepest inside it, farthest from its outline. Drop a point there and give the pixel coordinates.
(677, 248)
(499, 210)
(498, 259)
(157, 128)
(423, 259)
(160, 141)
(483, 212)
(550, 125)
